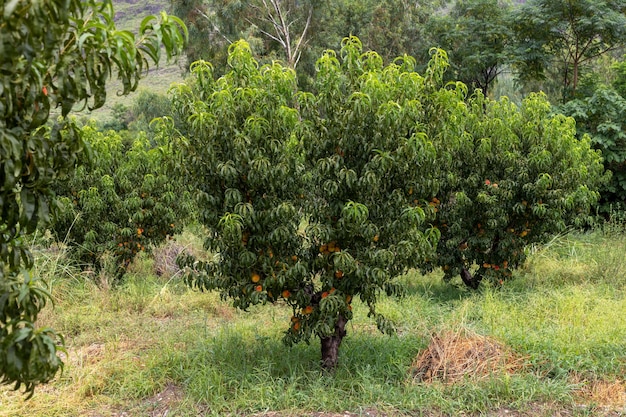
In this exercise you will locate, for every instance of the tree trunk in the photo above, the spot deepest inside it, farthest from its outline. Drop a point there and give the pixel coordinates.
(330, 345)
(575, 78)
(469, 280)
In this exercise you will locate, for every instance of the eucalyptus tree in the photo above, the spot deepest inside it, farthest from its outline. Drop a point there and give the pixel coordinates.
(298, 32)
(276, 29)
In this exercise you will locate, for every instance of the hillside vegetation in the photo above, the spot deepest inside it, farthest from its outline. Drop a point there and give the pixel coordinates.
(128, 16)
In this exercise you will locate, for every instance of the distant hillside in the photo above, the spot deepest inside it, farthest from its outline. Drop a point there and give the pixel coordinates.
(128, 13)
(128, 16)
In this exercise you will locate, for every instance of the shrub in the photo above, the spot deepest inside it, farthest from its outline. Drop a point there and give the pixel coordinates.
(121, 203)
(509, 177)
(601, 116)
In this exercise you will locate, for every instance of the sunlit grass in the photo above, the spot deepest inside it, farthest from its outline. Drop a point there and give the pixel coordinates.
(152, 345)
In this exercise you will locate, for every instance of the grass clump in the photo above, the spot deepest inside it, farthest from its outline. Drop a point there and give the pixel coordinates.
(452, 356)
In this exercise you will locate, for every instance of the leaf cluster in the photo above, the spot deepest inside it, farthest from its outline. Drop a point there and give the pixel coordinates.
(121, 203)
(54, 53)
(601, 116)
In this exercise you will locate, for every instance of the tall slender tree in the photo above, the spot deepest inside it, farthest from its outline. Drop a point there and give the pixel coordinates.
(566, 34)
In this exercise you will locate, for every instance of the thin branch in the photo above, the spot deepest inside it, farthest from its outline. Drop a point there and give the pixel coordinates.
(215, 28)
(306, 27)
(277, 39)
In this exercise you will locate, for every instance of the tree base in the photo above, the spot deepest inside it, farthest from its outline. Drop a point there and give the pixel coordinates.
(471, 281)
(330, 345)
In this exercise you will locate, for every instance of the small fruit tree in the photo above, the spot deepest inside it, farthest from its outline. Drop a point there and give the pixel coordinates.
(311, 199)
(603, 117)
(120, 203)
(54, 53)
(509, 177)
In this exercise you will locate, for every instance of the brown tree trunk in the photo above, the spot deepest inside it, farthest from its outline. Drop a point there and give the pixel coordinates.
(330, 345)
(471, 281)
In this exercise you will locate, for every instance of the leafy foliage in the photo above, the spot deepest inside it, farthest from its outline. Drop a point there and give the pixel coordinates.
(510, 177)
(307, 196)
(54, 53)
(567, 34)
(602, 117)
(391, 27)
(476, 35)
(121, 203)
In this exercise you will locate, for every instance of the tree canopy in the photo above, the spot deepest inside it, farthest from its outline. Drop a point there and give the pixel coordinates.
(568, 34)
(477, 36)
(391, 27)
(313, 199)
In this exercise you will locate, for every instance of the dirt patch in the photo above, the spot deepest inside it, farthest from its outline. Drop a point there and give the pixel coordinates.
(86, 355)
(533, 410)
(365, 413)
(454, 356)
(162, 403)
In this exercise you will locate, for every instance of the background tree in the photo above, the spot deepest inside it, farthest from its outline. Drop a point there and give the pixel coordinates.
(602, 116)
(476, 35)
(528, 178)
(54, 53)
(120, 203)
(396, 27)
(392, 27)
(277, 15)
(566, 34)
(278, 29)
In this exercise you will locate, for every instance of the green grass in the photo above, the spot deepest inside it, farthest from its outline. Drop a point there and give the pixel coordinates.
(151, 346)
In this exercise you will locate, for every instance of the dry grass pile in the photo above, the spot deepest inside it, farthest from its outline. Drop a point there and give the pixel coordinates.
(165, 258)
(454, 356)
(602, 392)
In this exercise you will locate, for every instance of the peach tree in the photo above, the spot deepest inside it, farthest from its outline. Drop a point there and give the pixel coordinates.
(56, 53)
(509, 177)
(314, 198)
(120, 203)
(310, 199)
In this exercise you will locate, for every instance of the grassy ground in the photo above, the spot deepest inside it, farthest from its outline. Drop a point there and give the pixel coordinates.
(152, 347)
